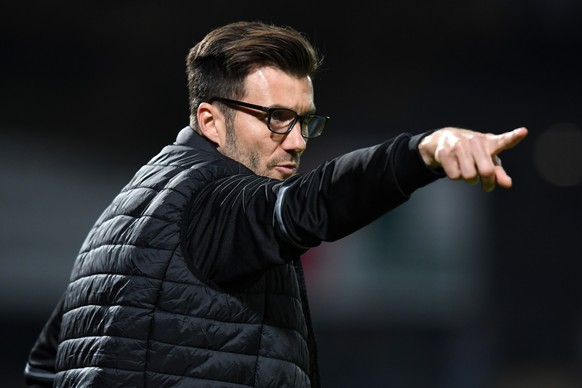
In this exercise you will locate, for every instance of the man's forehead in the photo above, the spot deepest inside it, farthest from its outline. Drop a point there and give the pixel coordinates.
(271, 86)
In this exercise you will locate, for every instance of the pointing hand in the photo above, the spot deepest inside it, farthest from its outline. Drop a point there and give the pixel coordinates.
(470, 156)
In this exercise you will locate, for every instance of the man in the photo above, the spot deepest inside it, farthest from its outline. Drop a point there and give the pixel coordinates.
(192, 276)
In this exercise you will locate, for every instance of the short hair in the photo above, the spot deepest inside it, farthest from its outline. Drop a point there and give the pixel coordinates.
(218, 65)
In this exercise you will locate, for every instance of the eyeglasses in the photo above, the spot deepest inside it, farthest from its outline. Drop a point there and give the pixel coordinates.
(282, 120)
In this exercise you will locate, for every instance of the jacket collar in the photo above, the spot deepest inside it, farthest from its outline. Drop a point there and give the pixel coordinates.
(190, 138)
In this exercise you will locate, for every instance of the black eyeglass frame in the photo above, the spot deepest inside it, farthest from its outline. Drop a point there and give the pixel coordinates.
(269, 112)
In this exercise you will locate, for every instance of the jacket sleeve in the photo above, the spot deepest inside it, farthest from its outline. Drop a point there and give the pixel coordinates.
(246, 223)
(349, 192)
(40, 367)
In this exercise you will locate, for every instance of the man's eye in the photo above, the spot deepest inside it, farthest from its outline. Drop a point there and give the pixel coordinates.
(282, 115)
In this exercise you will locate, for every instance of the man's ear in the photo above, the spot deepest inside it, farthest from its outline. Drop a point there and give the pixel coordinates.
(211, 123)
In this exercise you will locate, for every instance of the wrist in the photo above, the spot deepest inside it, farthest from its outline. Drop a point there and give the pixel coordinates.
(426, 149)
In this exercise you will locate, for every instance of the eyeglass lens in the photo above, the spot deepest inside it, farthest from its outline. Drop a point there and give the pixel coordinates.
(281, 121)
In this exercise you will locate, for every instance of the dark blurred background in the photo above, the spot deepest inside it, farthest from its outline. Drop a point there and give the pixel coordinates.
(455, 289)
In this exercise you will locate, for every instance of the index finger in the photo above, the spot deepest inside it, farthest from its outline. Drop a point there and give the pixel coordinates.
(509, 139)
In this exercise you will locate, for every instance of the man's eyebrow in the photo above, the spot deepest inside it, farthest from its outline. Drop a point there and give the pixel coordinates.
(312, 110)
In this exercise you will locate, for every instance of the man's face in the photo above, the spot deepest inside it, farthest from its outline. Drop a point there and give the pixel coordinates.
(251, 142)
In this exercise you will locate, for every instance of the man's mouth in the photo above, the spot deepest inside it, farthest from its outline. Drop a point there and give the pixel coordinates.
(286, 169)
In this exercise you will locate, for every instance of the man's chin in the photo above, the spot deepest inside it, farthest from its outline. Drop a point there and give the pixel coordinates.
(278, 177)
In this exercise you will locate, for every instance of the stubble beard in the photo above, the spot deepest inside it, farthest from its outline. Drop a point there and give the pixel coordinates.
(249, 158)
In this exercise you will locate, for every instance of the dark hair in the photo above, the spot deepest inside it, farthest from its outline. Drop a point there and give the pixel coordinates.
(218, 65)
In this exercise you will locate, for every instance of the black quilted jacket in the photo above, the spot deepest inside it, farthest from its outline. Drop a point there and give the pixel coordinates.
(192, 276)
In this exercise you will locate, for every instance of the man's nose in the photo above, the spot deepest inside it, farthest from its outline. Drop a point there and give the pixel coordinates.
(294, 140)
